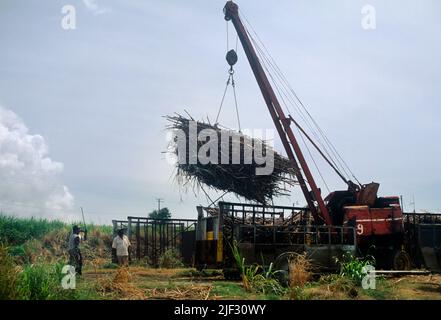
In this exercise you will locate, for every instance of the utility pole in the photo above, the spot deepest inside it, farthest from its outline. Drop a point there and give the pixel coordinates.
(159, 203)
(413, 203)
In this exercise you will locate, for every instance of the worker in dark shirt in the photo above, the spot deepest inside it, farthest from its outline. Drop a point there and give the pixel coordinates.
(75, 257)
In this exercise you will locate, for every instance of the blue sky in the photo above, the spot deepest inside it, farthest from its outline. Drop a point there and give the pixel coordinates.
(97, 94)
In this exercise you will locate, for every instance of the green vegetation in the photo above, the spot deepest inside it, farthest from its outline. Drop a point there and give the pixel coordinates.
(110, 265)
(33, 252)
(229, 289)
(170, 259)
(30, 239)
(354, 267)
(40, 282)
(163, 213)
(204, 273)
(16, 231)
(255, 278)
(8, 276)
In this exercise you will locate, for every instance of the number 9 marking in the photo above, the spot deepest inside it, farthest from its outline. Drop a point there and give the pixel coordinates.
(360, 229)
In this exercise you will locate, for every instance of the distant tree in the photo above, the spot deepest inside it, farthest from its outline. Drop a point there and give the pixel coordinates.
(164, 213)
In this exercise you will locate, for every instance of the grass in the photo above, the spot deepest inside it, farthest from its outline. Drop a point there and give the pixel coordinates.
(170, 259)
(204, 273)
(16, 231)
(8, 276)
(32, 253)
(299, 271)
(30, 239)
(299, 275)
(255, 278)
(40, 282)
(229, 289)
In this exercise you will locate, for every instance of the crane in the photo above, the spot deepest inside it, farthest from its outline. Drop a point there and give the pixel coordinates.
(378, 220)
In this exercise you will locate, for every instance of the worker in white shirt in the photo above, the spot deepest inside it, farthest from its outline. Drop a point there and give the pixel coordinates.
(121, 244)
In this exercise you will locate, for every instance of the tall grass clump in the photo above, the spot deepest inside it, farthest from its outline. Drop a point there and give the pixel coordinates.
(8, 276)
(299, 270)
(41, 281)
(255, 278)
(299, 274)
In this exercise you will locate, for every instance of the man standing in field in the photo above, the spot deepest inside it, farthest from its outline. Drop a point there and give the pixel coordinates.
(121, 244)
(75, 257)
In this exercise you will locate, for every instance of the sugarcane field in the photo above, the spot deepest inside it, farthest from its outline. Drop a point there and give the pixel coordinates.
(220, 158)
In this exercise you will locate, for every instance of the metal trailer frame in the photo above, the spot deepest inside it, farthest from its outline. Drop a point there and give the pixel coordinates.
(152, 237)
(423, 239)
(269, 231)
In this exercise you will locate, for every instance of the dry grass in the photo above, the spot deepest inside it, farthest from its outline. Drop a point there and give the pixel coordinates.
(191, 292)
(121, 287)
(299, 270)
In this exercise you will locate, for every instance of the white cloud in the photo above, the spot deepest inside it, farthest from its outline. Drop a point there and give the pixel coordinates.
(93, 6)
(30, 181)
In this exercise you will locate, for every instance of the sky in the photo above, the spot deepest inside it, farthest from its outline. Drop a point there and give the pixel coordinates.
(81, 110)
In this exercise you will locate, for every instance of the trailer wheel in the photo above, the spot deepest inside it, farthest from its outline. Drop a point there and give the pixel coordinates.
(401, 260)
(281, 267)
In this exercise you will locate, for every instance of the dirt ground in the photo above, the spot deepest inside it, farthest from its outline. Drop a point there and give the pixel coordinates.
(147, 283)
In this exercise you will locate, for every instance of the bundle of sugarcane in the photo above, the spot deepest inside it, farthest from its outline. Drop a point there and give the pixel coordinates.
(232, 166)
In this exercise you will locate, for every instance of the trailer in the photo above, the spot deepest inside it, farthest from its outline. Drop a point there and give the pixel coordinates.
(272, 234)
(423, 239)
(267, 234)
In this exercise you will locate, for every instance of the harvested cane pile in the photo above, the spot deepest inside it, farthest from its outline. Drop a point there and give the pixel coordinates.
(241, 178)
(121, 286)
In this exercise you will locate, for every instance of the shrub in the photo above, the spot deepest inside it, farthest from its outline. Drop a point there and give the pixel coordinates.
(352, 267)
(170, 259)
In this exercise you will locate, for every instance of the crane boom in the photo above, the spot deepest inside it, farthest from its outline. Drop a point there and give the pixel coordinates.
(282, 123)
